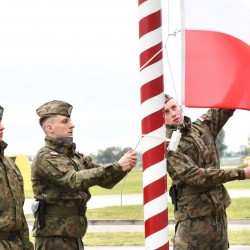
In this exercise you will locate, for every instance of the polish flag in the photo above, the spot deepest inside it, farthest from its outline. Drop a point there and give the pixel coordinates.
(216, 53)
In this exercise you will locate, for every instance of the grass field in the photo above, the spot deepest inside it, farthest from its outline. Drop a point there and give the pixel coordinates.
(240, 237)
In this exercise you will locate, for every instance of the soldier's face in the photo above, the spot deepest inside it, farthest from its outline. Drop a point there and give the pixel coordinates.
(61, 127)
(173, 113)
(1, 131)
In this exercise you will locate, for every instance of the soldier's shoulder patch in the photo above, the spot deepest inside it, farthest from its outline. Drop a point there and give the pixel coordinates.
(80, 153)
(202, 118)
(54, 154)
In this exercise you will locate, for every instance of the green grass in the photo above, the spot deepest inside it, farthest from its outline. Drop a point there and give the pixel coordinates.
(118, 239)
(29, 194)
(244, 184)
(131, 212)
(131, 184)
(239, 208)
(240, 237)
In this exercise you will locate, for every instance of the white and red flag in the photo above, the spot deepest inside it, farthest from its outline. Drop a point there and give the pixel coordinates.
(216, 53)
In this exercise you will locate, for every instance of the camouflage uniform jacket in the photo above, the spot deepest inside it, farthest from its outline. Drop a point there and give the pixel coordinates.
(12, 217)
(62, 177)
(195, 168)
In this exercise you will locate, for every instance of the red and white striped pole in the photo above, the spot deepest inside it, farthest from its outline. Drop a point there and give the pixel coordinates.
(153, 130)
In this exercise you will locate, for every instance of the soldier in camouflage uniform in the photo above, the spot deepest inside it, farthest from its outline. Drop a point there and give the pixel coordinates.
(61, 178)
(197, 189)
(14, 231)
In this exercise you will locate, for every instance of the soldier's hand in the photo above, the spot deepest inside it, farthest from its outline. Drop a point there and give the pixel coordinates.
(128, 161)
(247, 172)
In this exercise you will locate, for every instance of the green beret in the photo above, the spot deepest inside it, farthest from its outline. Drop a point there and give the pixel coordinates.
(167, 97)
(54, 108)
(1, 112)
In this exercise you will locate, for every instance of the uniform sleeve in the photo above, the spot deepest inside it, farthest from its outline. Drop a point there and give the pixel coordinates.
(181, 167)
(61, 173)
(215, 119)
(106, 176)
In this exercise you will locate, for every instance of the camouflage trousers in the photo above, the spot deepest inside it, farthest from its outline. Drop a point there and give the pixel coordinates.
(58, 242)
(11, 245)
(203, 233)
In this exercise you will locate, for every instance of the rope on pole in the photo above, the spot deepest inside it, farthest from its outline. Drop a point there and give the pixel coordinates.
(153, 129)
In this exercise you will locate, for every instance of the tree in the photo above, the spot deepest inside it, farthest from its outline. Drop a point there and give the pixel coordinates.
(220, 143)
(110, 154)
(248, 148)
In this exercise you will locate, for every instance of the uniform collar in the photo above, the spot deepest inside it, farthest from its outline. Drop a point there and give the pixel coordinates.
(184, 128)
(60, 146)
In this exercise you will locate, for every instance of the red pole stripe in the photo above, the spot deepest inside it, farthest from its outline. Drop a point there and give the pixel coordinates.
(141, 2)
(152, 122)
(145, 56)
(154, 190)
(156, 223)
(153, 156)
(149, 23)
(152, 89)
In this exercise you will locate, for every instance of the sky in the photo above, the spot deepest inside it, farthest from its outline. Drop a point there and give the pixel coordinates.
(85, 53)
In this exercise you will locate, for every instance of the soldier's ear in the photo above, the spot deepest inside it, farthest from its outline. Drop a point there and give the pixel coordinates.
(49, 128)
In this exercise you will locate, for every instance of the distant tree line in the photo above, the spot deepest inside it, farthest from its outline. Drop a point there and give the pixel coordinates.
(245, 150)
(248, 148)
(220, 143)
(111, 154)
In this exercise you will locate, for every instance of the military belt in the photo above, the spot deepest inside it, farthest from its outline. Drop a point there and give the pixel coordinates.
(56, 210)
(11, 236)
(189, 190)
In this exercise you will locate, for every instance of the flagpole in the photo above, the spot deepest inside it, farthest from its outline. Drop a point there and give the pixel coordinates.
(153, 129)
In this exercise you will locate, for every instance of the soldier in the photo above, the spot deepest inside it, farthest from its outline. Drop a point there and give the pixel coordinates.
(61, 178)
(14, 231)
(197, 190)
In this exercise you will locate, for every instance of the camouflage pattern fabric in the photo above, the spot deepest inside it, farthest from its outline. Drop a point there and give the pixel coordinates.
(62, 177)
(58, 242)
(195, 168)
(12, 245)
(54, 108)
(12, 217)
(204, 233)
(167, 97)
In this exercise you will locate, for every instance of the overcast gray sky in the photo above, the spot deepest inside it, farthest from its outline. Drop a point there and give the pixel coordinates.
(86, 53)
